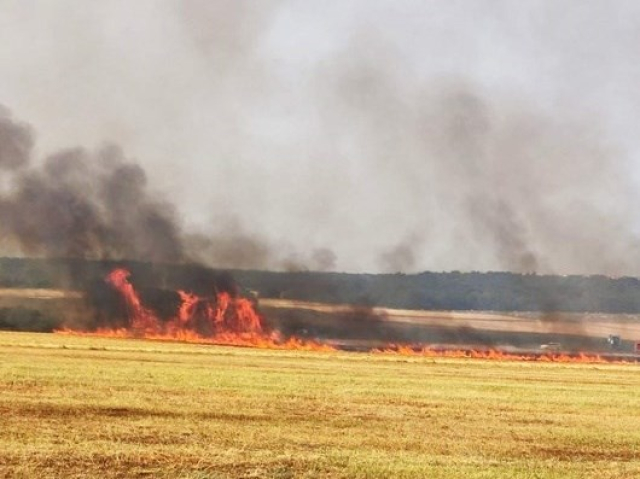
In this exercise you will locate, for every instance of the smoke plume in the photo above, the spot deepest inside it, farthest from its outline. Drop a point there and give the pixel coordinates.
(78, 203)
(83, 204)
(360, 136)
(16, 142)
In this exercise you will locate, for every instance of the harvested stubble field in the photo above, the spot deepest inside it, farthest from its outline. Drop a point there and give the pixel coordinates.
(88, 407)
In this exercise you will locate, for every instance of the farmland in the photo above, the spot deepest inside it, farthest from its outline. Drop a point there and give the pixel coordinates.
(97, 407)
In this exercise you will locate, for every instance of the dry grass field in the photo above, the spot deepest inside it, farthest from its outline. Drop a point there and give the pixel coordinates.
(597, 325)
(87, 407)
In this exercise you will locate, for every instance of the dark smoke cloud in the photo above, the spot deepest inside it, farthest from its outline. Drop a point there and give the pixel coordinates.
(512, 175)
(505, 184)
(84, 204)
(230, 247)
(16, 142)
(233, 246)
(97, 204)
(396, 135)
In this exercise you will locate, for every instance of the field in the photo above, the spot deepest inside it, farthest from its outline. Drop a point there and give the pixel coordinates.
(507, 331)
(365, 328)
(85, 407)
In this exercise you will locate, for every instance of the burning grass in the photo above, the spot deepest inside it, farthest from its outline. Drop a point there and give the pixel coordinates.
(97, 407)
(250, 340)
(493, 354)
(227, 318)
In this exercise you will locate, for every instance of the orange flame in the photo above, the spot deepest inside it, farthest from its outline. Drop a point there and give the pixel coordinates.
(224, 314)
(228, 320)
(143, 321)
(406, 350)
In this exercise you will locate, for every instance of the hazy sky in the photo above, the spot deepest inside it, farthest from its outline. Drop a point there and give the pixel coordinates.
(354, 135)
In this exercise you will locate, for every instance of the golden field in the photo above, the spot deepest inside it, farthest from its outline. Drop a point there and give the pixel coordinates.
(77, 407)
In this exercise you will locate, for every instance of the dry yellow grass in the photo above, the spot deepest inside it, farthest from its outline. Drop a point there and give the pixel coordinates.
(38, 293)
(84, 407)
(583, 324)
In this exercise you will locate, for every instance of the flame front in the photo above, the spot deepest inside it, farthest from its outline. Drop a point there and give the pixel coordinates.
(219, 316)
(142, 320)
(418, 351)
(226, 319)
(219, 319)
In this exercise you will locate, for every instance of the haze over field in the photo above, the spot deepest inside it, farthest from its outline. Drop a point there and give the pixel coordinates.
(361, 136)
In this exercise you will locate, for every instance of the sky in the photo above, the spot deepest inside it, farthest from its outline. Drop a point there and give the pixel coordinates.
(362, 135)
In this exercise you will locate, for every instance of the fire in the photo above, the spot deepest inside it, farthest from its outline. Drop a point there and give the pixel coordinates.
(220, 319)
(197, 317)
(143, 321)
(418, 351)
(228, 319)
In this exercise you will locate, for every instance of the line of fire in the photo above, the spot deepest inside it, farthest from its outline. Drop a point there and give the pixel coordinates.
(224, 313)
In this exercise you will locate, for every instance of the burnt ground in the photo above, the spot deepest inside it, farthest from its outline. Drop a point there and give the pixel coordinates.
(365, 327)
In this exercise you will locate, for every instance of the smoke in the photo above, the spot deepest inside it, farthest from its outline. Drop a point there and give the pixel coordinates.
(233, 246)
(541, 193)
(492, 181)
(468, 176)
(82, 204)
(16, 142)
(78, 203)
(368, 136)
(323, 259)
(402, 256)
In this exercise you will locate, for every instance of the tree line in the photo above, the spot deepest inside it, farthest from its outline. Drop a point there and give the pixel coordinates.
(490, 291)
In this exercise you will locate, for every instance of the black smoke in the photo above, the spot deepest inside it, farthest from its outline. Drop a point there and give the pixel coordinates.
(86, 204)
(16, 142)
